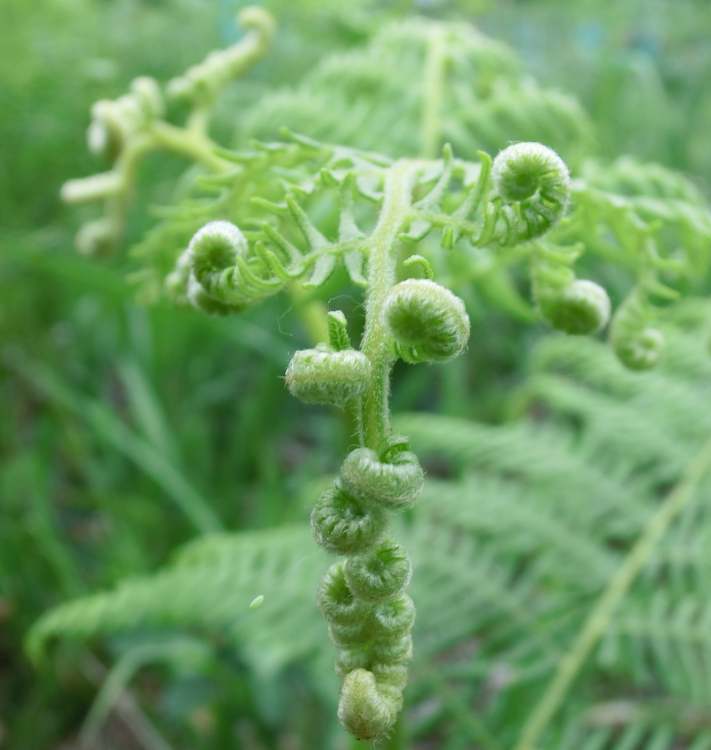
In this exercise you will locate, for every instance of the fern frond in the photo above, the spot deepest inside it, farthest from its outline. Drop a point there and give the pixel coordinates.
(485, 101)
(208, 591)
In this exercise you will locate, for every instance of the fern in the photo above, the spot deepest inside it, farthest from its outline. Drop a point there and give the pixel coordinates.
(506, 558)
(418, 85)
(509, 554)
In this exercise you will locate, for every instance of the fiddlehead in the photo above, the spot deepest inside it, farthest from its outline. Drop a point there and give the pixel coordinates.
(533, 185)
(575, 306)
(345, 525)
(322, 376)
(395, 483)
(635, 340)
(427, 322)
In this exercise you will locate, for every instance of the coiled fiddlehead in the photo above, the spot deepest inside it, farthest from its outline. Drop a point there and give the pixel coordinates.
(427, 322)
(396, 483)
(637, 343)
(532, 186)
(576, 306)
(204, 272)
(322, 376)
(115, 123)
(345, 525)
(334, 375)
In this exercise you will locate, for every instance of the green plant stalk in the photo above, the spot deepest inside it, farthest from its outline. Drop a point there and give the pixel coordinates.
(376, 343)
(190, 143)
(620, 583)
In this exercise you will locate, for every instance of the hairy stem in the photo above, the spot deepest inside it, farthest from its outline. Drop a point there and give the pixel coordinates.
(601, 614)
(376, 344)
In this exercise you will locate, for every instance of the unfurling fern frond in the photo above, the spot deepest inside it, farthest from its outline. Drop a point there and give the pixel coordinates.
(457, 200)
(636, 341)
(510, 555)
(505, 560)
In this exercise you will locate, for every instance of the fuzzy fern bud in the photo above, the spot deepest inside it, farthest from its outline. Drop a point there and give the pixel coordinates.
(366, 710)
(322, 376)
(379, 573)
(636, 342)
(115, 122)
(345, 525)
(203, 274)
(575, 306)
(534, 183)
(582, 307)
(392, 484)
(427, 321)
(213, 252)
(336, 598)
(393, 618)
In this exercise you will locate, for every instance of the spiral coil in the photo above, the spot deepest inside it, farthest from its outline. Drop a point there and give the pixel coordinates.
(637, 343)
(363, 597)
(427, 322)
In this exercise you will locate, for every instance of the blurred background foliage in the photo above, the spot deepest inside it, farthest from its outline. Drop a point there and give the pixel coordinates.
(128, 430)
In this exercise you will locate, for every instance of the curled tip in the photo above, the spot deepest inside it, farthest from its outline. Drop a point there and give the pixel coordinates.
(335, 597)
(533, 185)
(345, 525)
(215, 240)
(523, 170)
(427, 321)
(379, 573)
(213, 250)
(108, 130)
(582, 308)
(259, 19)
(393, 484)
(321, 376)
(641, 352)
(395, 649)
(394, 618)
(200, 299)
(637, 343)
(147, 95)
(365, 711)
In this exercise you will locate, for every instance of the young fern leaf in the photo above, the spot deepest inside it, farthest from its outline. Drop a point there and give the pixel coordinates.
(497, 552)
(283, 213)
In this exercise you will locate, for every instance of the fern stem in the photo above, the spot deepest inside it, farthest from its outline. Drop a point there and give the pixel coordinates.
(432, 94)
(376, 343)
(618, 586)
(188, 143)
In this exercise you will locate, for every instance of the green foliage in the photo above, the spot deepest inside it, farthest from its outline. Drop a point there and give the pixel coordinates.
(509, 555)
(123, 435)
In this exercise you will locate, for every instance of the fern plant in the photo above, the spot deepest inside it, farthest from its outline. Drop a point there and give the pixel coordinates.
(283, 214)
(510, 555)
